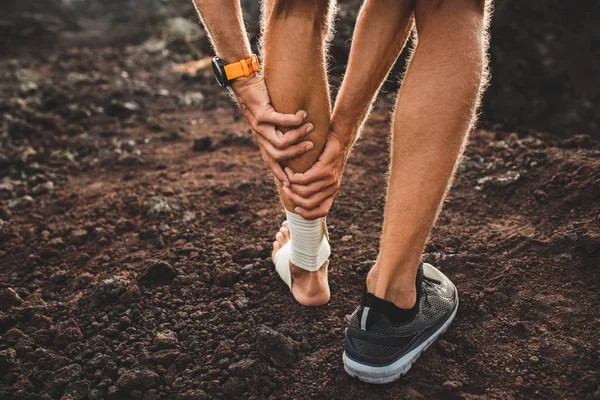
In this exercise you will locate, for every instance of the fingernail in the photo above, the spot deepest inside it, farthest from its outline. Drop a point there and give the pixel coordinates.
(304, 115)
(309, 146)
(285, 184)
(297, 210)
(310, 129)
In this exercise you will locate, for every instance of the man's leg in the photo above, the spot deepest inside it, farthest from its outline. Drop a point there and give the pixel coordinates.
(407, 305)
(435, 110)
(294, 45)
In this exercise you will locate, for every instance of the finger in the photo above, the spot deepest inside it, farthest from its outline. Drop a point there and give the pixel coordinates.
(293, 136)
(308, 190)
(318, 212)
(314, 174)
(311, 202)
(271, 116)
(288, 153)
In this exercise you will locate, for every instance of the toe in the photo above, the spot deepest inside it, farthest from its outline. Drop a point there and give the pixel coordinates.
(276, 247)
(286, 232)
(280, 238)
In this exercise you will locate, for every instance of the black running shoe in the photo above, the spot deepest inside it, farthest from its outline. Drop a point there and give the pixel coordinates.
(382, 340)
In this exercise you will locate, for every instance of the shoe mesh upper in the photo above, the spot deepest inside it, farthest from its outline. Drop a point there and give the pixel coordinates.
(437, 301)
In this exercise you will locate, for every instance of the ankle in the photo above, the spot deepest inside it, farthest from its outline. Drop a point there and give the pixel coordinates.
(400, 288)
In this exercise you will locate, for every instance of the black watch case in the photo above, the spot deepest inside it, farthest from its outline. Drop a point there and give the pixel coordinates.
(219, 70)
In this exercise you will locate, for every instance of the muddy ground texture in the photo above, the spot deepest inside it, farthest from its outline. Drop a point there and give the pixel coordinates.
(136, 218)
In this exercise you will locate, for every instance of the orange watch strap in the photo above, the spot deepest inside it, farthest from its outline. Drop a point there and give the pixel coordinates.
(242, 68)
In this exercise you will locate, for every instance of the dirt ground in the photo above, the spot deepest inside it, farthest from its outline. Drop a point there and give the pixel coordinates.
(136, 218)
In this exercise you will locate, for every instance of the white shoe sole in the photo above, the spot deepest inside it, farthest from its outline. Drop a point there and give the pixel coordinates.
(392, 372)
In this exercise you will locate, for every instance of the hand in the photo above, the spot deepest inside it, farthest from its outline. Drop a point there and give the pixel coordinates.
(275, 146)
(314, 190)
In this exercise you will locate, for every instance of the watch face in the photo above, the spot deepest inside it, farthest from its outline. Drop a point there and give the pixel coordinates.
(218, 65)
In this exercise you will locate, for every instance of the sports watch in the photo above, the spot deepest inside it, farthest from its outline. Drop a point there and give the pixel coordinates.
(226, 73)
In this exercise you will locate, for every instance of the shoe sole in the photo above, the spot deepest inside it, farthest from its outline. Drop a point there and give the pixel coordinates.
(393, 371)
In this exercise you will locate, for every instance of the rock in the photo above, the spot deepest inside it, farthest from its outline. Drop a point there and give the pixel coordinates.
(83, 280)
(9, 298)
(229, 207)
(246, 367)
(181, 29)
(192, 395)
(182, 361)
(166, 357)
(225, 349)
(42, 188)
(78, 236)
(59, 277)
(203, 144)
(249, 253)
(67, 332)
(446, 348)
(123, 225)
(225, 276)
(78, 390)
(159, 271)
(165, 340)
(534, 359)
(277, 348)
(7, 361)
(157, 206)
(68, 374)
(140, 379)
(452, 385)
(109, 290)
(499, 181)
(21, 202)
(234, 387)
(190, 99)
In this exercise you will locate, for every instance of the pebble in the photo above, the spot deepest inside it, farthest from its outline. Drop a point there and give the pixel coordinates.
(9, 298)
(67, 332)
(276, 347)
(165, 340)
(225, 276)
(203, 144)
(534, 359)
(246, 367)
(452, 385)
(159, 271)
(140, 379)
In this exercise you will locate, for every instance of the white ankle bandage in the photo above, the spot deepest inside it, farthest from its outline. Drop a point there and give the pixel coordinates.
(309, 242)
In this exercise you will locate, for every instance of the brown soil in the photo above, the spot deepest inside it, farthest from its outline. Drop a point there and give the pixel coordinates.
(135, 232)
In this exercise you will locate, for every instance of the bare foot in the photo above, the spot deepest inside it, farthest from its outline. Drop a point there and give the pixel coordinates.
(309, 288)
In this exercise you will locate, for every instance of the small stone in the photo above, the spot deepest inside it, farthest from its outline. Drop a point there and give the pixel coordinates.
(68, 374)
(191, 99)
(9, 298)
(42, 188)
(534, 359)
(279, 349)
(109, 290)
(203, 144)
(249, 253)
(67, 332)
(224, 349)
(452, 385)
(246, 367)
(140, 379)
(234, 387)
(192, 395)
(78, 236)
(166, 357)
(7, 360)
(225, 276)
(157, 206)
(165, 340)
(159, 271)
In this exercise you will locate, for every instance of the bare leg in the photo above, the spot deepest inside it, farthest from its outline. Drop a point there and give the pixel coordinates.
(435, 110)
(295, 33)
